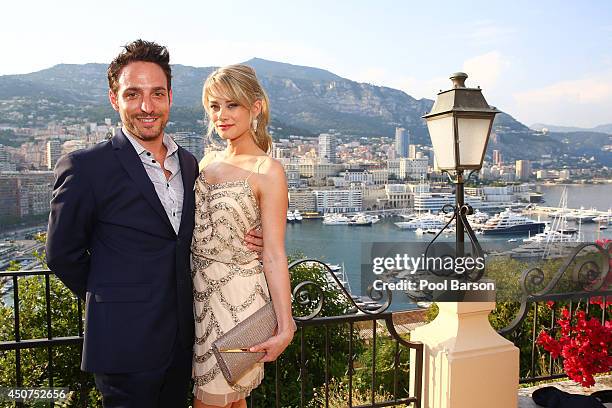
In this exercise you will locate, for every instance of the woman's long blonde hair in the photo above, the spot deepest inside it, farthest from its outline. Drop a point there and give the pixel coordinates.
(239, 84)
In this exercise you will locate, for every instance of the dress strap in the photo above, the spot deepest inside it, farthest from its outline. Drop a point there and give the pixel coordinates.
(258, 164)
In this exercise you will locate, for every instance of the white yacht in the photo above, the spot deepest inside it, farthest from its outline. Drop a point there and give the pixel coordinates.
(297, 216)
(360, 220)
(290, 216)
(551, 235)
(335, 219)
(604, 219)
(479, 218)
(425, 222)
(583, 215)
(556, 240)
(373, 218)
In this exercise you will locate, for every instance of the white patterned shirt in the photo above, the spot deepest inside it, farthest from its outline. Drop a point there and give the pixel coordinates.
(170, 192)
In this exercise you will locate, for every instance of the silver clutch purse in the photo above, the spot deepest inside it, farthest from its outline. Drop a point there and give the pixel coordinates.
(232, 349)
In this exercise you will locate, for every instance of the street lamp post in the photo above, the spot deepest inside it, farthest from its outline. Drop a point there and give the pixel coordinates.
(459, 125)
(460, 340)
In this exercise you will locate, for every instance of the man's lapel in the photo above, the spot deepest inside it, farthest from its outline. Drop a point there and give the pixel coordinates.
(133, 166)
(188, 171)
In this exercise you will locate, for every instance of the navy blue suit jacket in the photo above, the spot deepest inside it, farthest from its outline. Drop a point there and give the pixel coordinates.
(110, 241)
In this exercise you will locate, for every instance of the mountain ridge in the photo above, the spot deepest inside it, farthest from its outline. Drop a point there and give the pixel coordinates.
(303, 98)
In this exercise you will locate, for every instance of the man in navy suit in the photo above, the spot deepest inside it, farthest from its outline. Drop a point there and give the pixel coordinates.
(119, 236)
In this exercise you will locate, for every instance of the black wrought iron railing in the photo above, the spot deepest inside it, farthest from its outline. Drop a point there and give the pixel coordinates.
(583, 282)
(327, 365)
(11, 301)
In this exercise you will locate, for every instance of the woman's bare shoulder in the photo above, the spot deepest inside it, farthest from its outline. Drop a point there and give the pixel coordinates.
(270, 173)
(272, 167)
(207, 159)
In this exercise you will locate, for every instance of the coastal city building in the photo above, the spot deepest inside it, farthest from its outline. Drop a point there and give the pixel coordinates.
(281, 152)
(398, 196)
(543, 174)
(497, 158)
(327, 148)
(302, 200)
(358, 176)
(413, 169)
(70, 146)
(402, 139)
(412, 151)
(493, 194)
(53, 153)
(380, 175)
(5, 160)
(24, 194)
(317, 172)
(292, 173)
(523, 170)
(338, 201)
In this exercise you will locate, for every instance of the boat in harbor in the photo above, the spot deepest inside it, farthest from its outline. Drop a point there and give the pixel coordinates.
(360, 221)
(478, 219)
(311, 215)
(551, 235)
(424, 222)
(508, 223)
(297, 216)
(290, 216)
(335, 219)
(363, 219)
(604, 219)
(582, 215)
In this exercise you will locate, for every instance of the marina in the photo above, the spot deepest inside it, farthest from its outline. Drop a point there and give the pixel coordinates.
(341, 244)
(337, 241)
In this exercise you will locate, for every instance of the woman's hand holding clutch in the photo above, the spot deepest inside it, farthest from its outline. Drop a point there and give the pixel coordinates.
(274, 346)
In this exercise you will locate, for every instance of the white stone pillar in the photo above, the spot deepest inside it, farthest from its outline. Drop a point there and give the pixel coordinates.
(466, 363)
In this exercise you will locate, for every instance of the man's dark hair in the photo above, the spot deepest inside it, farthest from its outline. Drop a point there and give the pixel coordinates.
(139, 50)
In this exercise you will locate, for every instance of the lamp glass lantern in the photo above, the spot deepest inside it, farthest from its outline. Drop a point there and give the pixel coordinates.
(459, 125)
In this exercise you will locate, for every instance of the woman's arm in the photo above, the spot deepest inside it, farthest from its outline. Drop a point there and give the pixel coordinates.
(273, 201)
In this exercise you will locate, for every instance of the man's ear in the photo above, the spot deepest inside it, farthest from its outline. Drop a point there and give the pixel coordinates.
(112, 97)
(170, 97)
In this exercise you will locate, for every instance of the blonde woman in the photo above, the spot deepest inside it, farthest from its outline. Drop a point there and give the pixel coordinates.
(238, 189)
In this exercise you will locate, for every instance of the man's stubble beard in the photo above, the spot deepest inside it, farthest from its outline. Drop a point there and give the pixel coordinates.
(133, 129)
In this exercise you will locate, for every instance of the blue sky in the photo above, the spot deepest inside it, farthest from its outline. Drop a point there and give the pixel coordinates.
(541, 61)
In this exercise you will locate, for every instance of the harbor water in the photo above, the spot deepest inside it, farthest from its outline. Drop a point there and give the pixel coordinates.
(342, 244)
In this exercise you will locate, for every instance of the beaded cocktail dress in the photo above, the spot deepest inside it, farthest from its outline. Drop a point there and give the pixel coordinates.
(228, 281)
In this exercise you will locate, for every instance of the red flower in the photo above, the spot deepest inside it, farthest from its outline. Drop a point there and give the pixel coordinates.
(586, 346)
(598, 300)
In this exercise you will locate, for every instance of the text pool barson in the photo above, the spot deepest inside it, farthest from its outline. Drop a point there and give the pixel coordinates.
(424, 284)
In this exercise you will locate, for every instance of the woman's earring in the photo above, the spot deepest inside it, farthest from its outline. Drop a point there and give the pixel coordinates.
(254, 124)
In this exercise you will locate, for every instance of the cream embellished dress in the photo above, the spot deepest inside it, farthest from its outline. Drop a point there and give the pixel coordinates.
(228, 281)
